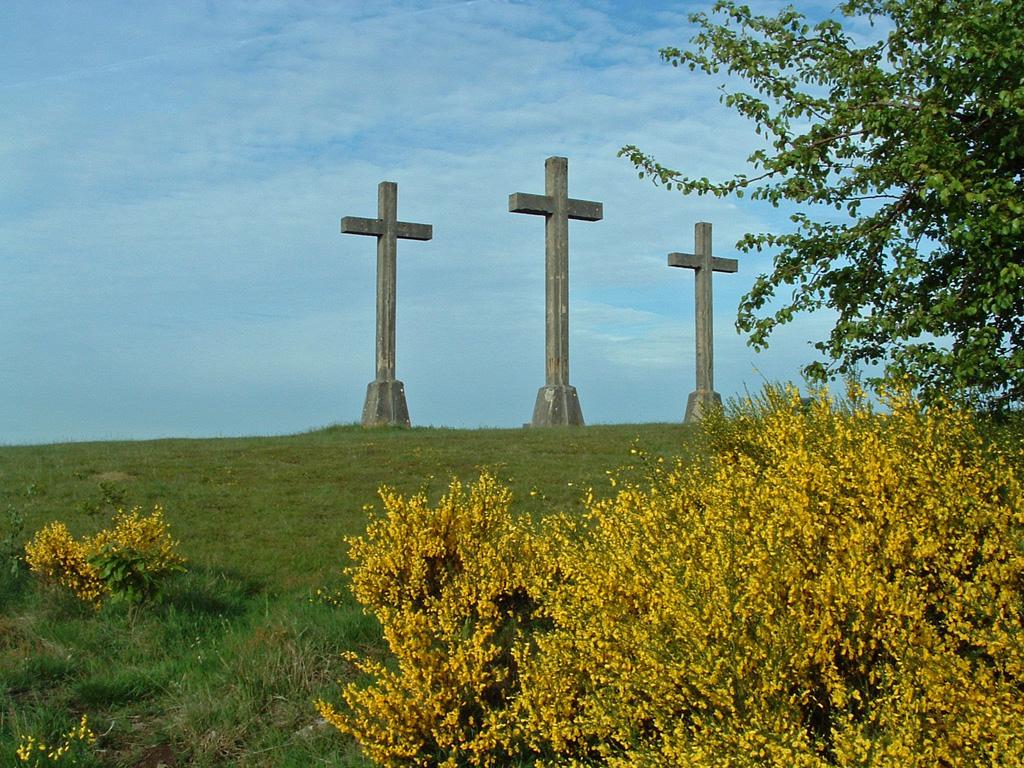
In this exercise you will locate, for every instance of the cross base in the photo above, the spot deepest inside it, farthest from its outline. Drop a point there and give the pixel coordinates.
(700, 402)
(385, 404)
(557, 406)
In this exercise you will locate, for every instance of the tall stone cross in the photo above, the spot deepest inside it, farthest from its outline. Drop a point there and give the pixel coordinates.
(557, 401)
(385, 395)
(703, 264)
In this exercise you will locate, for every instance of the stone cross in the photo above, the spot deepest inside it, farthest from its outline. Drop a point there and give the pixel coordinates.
(703, 264)
(385, 395)
(557, 401)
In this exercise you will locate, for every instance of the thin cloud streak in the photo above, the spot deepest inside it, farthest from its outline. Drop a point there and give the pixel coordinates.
(179, 53)
(120, 66)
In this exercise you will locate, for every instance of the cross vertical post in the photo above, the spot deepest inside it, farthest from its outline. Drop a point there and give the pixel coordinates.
(385, 395)
(387, 274)
(556, 282)
(557, 401)
(703, 264)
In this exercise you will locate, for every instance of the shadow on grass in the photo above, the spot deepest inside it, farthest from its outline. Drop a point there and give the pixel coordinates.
(115, 687)
(204, 592)
(11, 590)
(41, 671)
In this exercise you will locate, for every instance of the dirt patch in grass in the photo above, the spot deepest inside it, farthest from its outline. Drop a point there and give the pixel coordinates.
(157, 757)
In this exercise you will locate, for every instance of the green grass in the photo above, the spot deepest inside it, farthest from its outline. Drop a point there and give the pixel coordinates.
(223, 670)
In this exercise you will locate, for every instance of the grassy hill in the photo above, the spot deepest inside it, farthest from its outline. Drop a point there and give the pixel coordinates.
(224, 670)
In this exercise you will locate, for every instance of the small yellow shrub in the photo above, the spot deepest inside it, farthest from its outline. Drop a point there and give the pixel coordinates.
(829, 587)
(129, 560)
(70, 747)
(55, 556)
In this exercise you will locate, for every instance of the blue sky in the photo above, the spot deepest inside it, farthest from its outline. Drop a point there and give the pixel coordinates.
(174, 175)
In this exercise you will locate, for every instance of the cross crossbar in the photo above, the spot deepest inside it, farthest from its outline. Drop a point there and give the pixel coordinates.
(696, 261)
(579, 210)
(404, 230)
(355, 225)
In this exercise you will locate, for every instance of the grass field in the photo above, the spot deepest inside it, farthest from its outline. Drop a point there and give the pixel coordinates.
(223, 671)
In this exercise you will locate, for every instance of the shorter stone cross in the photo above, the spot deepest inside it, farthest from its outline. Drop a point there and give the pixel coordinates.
(703, 264)
(557, 402)
(385, 395)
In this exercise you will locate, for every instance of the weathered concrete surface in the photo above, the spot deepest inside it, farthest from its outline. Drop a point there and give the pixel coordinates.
(703, 264)
(700, 402)
(557, 208)
(385, 404)
(557, 406)
(388, 230)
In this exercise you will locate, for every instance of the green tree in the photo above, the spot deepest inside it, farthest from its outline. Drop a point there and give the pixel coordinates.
(903, 157)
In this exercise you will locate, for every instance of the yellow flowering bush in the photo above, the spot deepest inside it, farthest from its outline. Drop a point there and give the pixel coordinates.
(829, 586)
(129, 560)
(71, 747)
(452, 586)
